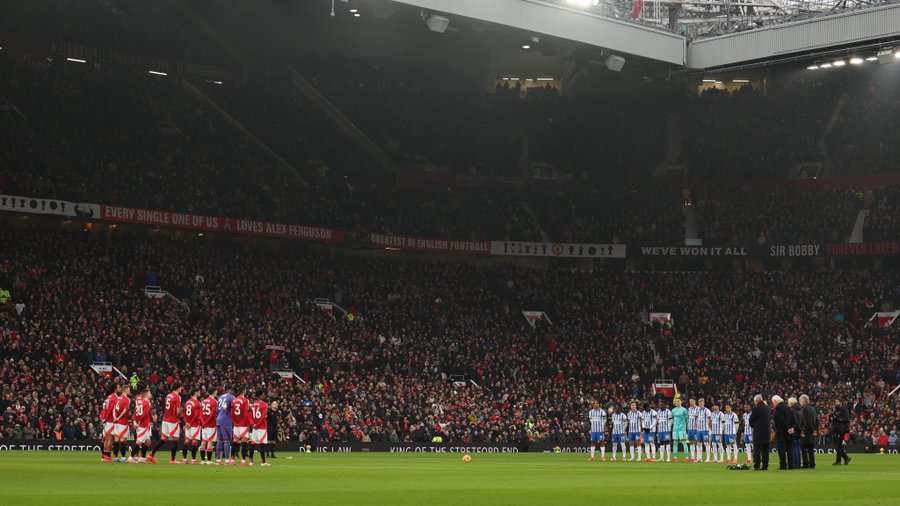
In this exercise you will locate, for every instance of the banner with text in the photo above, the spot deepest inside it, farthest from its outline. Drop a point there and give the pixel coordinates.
(552, 249)
(431, 245)
(770, 251)
(54, 207)
(199, 222)
(862, 249)
(32, 445)
(693, 251)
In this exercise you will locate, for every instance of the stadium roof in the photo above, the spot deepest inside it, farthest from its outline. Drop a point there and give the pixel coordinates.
(705, 18)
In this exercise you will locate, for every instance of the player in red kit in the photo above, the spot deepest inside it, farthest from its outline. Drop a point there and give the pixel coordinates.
(170, 428)
(120, 423)
(108, 423)
(191, 426)
(143, 415)
(258, 412)
(240, 419)
(208, 426)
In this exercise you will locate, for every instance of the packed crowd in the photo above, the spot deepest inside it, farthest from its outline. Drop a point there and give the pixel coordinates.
(862, 141)
(747, 135)
(494, 134)
(775, 216)
(578, 212)
(184, 156)
(883, 221)
(385, 371)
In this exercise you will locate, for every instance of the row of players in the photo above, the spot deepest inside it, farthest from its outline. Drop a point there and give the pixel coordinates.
(653, 429)
(228, 426)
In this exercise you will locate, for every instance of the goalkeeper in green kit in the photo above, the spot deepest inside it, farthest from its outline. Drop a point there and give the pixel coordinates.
(679, 428)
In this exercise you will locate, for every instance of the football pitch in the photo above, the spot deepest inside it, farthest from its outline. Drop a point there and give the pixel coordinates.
(66, 479)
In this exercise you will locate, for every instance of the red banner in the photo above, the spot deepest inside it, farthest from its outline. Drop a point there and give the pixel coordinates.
(219, 224)
(862, 249)
(432, 245)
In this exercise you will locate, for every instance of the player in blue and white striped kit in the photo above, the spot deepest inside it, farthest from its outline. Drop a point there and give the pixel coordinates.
(648, 427)
(703, 430)
(598, 427)
(715, 436)
(619, 424)
(693, 425)
(663, 431)
(748, 434)
(730, 426)
(634, 431)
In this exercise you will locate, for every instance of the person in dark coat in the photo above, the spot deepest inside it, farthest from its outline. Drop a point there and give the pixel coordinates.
(760, 419)
(784, 431)
(809, 427)
(797, 414)
(840, 429)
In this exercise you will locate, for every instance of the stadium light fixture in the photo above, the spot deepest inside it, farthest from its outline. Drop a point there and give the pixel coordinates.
(740, 80)
(812, 67)
(76, 60)
(825, 65)
(526, 46)
(872, 58)
(897, 55)
(434, 22)
(157, 73)
(356, 14)
(856, 60)
(709, 80)
(839, 63)
(545, 78)
(354, 11)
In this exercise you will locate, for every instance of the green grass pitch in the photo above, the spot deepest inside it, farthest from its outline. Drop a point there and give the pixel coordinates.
(67, 479)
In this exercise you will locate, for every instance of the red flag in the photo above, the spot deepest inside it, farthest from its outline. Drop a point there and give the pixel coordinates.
(883, 319)
(636, 11)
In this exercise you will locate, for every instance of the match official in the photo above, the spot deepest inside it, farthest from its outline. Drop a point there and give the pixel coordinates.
(272, 418)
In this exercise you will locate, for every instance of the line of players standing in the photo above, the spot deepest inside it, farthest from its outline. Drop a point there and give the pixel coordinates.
(228, 427)
(649, 430)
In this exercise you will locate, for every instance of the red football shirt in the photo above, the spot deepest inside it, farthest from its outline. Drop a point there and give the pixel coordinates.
(110, 402)
(142, 413)
(258, 412)
(170, 413)
(239, 412)
(208, 413)
(120, 411)
(192, 412)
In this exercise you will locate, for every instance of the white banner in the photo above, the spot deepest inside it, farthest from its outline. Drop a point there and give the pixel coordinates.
(556, 249)
(285, 375)
(534, 316)
(55, 207)
(660, 317)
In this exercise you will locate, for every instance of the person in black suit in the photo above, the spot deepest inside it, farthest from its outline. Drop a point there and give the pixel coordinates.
(797, 413)
(784, 431)
(840, 428)
(809, 427)
(760, 418)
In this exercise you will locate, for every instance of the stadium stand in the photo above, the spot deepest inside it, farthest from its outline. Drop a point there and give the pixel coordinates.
(389, 372)
(779, 216)
(427, 346)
